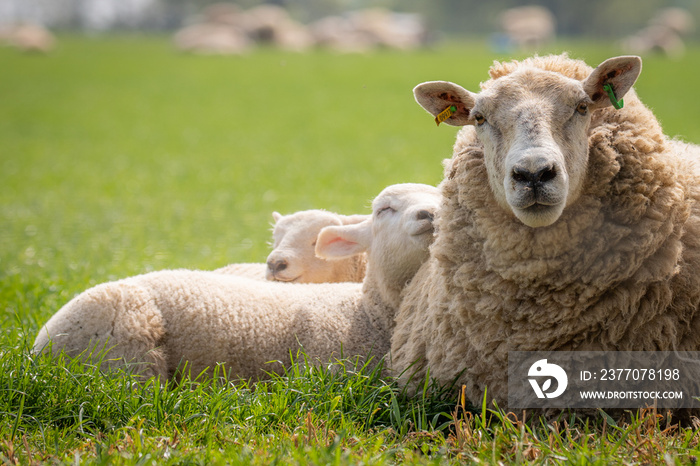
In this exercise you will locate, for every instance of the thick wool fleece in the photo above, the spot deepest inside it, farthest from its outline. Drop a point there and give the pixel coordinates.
(620, 270)
(167, 317)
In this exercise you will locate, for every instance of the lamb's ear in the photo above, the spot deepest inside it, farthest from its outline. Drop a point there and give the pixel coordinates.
(277, 216)
(338, 242)
(620, 72)
(437, 96)
(353, 219)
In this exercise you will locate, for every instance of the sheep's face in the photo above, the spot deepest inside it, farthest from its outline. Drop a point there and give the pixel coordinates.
(294, 238)
(533, 125)
(402, 229)
(396, 237)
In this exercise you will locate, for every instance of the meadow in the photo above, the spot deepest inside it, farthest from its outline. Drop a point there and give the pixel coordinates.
(120, 156)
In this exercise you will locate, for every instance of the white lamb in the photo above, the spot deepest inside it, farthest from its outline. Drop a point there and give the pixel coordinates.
(164, 319)
(293, 258)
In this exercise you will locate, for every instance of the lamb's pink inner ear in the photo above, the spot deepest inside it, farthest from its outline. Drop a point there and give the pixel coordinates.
(620, 73)
(334, 247)
(339, 242)
(438, 96)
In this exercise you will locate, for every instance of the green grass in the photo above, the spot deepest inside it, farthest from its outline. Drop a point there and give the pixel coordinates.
(119, 156)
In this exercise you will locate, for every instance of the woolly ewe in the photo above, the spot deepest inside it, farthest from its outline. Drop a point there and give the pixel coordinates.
(567, 225)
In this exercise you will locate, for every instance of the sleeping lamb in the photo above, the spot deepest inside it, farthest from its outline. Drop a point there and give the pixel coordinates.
(293, 258)
(164, 319)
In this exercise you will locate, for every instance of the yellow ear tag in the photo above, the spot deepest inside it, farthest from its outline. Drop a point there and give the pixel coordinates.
(445, 114)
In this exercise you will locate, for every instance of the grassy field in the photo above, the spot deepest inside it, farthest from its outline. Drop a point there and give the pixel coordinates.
(119, 156)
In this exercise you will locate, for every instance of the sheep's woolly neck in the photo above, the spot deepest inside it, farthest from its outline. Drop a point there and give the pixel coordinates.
(620, 269)
(359, 266)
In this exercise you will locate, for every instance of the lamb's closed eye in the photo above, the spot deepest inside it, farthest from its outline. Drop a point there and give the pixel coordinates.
(385, 209)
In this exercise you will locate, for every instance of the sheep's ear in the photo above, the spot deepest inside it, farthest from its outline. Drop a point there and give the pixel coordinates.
(438, 96)
(353, 219)
(277, 216)
(619, 72)
(338, 242)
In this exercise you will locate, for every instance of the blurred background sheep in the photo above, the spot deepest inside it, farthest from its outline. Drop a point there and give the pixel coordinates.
(528, 27)
(226, 28)
(28, 38)
(664, 34)
(359, 26)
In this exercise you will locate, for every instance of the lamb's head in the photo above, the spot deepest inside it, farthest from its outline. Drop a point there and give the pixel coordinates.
(294, 238)
(533, 124)
(396, 237)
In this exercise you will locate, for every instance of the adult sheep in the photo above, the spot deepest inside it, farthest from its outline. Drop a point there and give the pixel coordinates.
(163, 319)
(293, 257)
(567, 224)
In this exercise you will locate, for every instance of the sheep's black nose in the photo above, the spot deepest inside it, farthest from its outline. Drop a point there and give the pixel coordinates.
(532, 178)
(276, 266)
(425, 215)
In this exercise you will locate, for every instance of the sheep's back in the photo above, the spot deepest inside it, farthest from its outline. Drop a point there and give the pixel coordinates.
(214, 318)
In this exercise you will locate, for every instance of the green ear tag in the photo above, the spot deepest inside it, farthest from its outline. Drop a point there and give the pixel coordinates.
(618, 104)
(445, 114)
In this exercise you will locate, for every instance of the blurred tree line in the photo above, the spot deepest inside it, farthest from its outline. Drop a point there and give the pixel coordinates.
(600, 18)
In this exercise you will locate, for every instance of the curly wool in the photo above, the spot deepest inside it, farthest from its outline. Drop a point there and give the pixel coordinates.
(620, 270)
(162, 319)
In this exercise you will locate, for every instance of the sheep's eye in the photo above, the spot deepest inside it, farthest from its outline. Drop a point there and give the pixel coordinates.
(385, 209)
(582, 108)
(480, 120)
(314, 244)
